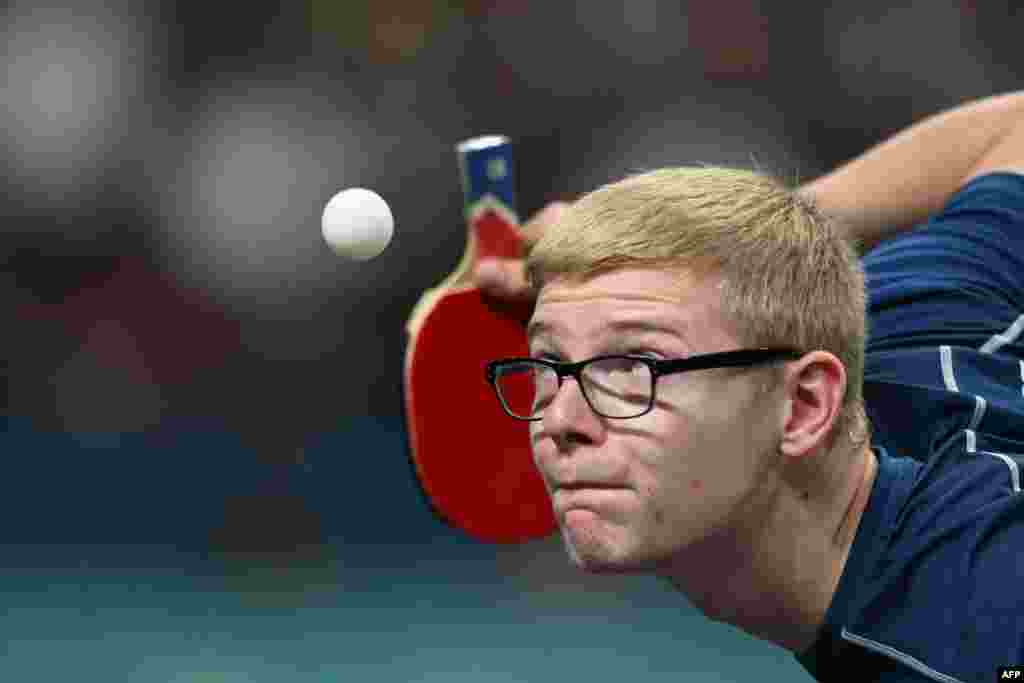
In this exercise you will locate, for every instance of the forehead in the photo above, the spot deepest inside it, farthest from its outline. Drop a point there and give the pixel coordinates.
(640, 299)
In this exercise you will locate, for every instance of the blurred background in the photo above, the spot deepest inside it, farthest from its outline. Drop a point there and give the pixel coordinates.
(204, 473)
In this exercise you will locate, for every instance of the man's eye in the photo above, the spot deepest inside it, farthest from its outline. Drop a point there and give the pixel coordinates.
(647, 353)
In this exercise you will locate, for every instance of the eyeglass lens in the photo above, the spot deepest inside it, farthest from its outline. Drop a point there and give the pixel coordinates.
(616, 387)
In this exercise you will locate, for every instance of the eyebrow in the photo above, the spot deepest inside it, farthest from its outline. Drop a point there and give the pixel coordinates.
(541, 327)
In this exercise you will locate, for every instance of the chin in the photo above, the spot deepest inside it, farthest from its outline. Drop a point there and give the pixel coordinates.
(602, 555)
(608, 569)
(606, 566)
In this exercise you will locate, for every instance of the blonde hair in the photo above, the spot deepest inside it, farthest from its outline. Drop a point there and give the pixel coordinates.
(788, 277)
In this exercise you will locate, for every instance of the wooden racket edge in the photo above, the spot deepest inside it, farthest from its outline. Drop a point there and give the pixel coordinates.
(458, 280)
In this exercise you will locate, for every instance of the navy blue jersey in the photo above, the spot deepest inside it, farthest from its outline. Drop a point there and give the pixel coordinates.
(933, 589)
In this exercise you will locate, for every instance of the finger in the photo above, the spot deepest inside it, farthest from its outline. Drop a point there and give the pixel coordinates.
(535, 227)
(503, 278)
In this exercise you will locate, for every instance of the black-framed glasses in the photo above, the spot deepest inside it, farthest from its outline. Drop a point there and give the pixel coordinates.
(614, 386)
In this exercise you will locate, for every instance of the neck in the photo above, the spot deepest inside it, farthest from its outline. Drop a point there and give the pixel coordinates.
(774, 569)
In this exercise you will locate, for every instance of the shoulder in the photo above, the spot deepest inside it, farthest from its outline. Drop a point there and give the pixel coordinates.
(942, 603)
(994, 189)
(989, 201)
(845, 655)
(957, 279)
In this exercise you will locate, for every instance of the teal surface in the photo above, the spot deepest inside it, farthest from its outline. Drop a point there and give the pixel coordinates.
(386, 596)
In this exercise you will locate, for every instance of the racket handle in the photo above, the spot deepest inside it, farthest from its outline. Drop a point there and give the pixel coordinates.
(488, 188)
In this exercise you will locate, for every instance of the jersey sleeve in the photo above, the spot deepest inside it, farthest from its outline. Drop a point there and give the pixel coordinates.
(957, 279)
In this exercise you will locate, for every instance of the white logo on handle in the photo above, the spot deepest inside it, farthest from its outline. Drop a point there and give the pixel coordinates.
(497, 169)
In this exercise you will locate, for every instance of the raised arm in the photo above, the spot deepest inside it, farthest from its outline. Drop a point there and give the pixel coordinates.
(884, 191)
(904, 179)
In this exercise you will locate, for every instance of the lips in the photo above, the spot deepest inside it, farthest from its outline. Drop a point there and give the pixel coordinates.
(583, 486)
(597, 497)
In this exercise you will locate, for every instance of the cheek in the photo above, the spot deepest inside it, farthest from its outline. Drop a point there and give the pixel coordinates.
(667, 480)
(658, 515)
(543, 451)
(692, 463)
(681, 455)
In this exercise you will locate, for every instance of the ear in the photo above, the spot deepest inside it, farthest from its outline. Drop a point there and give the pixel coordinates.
(814, 388)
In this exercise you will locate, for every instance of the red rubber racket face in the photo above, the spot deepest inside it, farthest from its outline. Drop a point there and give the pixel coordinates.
(473, 460)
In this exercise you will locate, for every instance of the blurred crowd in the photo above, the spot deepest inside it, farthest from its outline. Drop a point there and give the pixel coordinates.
(166, 164)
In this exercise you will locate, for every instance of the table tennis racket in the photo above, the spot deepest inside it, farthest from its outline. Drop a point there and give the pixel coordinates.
(474, 462)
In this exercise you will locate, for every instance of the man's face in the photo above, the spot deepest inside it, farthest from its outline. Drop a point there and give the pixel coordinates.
(631, 494)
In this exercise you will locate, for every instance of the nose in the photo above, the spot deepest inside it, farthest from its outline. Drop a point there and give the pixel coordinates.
(568, 415)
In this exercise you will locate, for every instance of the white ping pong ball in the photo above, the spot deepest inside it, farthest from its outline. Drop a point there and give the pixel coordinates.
(357, 224)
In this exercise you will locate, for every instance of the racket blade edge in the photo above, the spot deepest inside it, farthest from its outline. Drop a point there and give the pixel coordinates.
(473, 461)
